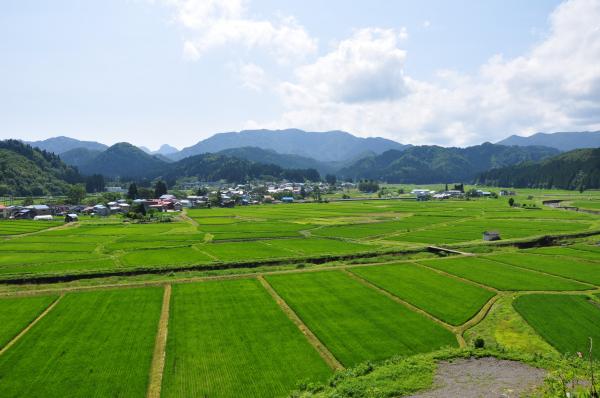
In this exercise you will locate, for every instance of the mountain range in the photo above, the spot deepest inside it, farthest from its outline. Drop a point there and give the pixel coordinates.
(327, 146)
(562, 141)
(252, 153)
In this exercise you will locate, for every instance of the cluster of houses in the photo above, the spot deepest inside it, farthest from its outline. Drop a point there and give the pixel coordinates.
(427, 194)
(40, 212)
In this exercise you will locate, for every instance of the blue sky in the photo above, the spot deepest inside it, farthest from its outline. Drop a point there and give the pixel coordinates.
(177, 71)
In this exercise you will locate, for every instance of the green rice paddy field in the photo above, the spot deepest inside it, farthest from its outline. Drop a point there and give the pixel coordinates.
(252, 234)
(236, 335)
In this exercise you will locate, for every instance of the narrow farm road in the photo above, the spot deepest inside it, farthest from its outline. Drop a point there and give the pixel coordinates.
(158, 359)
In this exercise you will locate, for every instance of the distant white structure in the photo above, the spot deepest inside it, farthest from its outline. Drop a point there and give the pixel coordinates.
(115, 189)
(46, 217)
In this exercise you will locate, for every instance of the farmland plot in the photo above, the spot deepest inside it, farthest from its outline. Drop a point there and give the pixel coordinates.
(444, 297)
(356, 322)
(230, 339)
(17, 313)
(36, 268)
(93, 344)
(18, 227)
(567, 267)
(502, 276)
(585, 252)
(470, 230)
(566, 322)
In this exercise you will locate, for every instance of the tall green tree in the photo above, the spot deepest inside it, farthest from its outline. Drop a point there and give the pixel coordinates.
(160, 188)
(94, 183)
(132, 192)
(76, 194)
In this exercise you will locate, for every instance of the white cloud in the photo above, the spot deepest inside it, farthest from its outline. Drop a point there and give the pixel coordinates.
(360, 86)
(366, 67)
(253, 77)
(211, 24)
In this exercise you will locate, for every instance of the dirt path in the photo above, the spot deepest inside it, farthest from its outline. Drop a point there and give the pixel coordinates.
(32, 324)
(327, 356)
(158, 359)
(485, 377)
(481, 314)
(184, 216)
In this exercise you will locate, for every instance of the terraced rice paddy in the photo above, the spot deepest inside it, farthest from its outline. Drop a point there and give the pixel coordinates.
(90, 344)
(230, 339)
(446, 298)
(566, 322)
(356, 322)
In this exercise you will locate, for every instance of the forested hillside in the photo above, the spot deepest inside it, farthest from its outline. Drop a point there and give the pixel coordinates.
(578, 169)
(126, 161)
(434, 164)
(25, 170)
(215, 167)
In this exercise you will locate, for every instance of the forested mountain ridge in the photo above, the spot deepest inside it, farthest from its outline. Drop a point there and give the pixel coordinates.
(269, 156)
(215, 167)
(434, 164)
(578, 169)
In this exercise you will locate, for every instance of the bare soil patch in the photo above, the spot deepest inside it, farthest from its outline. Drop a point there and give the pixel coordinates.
(485, 377)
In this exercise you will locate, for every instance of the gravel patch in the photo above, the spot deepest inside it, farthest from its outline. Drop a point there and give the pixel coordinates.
(485, 377)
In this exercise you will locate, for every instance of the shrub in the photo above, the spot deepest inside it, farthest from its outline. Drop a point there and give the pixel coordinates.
(479, 343)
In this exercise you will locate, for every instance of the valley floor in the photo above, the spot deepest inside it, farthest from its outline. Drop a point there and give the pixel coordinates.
(300, 292)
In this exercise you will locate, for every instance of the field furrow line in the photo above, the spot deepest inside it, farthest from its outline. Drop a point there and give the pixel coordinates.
(323, 351)
(32, 324)
(456, 276)
(158, 358)
(397, 299)
(492, 258)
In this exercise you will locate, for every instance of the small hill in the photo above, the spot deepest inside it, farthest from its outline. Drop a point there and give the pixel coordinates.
(571, 170)
(79, 156)
(434, 164)
(63, 144)
(327, 146)
(215, 167)
(269, 156)
(124, 160)
(25, 171)
(563, 141)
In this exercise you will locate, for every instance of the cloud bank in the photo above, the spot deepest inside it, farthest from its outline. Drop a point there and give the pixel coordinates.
(359, 84)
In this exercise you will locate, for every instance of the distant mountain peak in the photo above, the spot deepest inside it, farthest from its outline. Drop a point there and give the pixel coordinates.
(323, 146)
(62, 144)
(166, 149)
